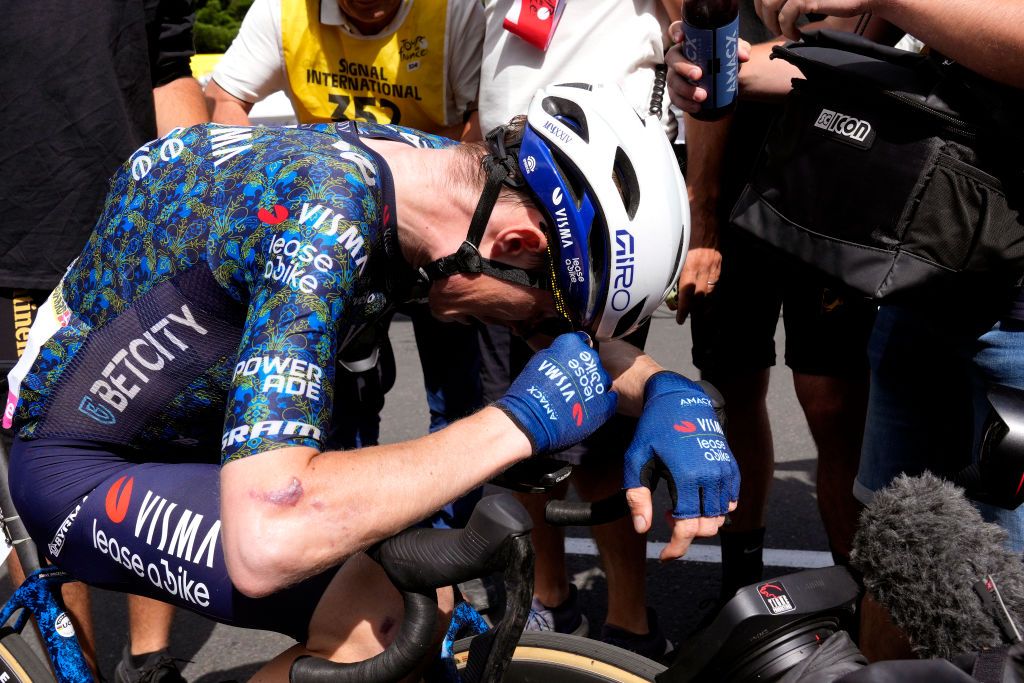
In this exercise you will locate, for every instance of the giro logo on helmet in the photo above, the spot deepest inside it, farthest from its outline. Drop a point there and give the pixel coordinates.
(623, 270)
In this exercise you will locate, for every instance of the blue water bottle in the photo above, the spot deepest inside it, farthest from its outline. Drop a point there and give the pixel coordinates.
(711, 32)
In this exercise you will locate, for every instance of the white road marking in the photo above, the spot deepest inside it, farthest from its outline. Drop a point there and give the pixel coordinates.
(773, 557)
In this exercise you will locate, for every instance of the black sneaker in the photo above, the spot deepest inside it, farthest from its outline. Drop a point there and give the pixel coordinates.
(157, 667)
(653, 644)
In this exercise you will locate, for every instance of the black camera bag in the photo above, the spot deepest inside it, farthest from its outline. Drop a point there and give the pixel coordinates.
(889, 170)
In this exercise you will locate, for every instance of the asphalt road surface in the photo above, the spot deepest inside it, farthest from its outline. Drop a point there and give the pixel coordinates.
(795, 535)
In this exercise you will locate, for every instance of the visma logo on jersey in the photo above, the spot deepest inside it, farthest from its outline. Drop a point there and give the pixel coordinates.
(300, 256)
(183, 535)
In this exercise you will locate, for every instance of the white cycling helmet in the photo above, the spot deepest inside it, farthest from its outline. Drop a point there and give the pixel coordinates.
(614, 201)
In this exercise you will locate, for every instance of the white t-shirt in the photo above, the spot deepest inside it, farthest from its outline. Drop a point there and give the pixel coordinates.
(607, 41)
(253, 67)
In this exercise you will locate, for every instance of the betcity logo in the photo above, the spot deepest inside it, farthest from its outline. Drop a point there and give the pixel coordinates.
(132, 367)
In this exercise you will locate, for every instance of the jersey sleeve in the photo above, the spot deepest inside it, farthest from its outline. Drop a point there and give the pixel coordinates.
(253, 67)
(303, 268)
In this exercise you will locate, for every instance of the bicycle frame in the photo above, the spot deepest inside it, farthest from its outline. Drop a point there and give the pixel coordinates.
(39, 597)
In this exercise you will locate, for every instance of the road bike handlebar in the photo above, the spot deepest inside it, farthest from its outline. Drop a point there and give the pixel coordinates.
(418, 562)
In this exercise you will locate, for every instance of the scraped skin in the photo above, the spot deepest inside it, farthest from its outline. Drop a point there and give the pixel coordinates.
(289, 496)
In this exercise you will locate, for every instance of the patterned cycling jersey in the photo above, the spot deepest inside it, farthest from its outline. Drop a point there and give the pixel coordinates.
(229, 268)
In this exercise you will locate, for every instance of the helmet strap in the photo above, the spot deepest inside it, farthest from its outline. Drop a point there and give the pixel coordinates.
(502, 169)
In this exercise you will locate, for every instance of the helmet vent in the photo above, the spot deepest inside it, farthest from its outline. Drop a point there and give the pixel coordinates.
(627, 321)
(569, 113)
(574, 182)
(626, 183)
(581, 86)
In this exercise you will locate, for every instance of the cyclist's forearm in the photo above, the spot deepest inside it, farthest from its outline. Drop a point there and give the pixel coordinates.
(291, 513)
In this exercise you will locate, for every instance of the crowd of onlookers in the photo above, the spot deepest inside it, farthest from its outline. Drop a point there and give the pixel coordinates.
(884, 389)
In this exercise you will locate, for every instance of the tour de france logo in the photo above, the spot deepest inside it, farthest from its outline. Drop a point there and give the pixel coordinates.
(412, 50)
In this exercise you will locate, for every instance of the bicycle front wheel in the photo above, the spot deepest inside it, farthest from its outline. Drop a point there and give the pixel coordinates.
(562, 658)
(19, 663)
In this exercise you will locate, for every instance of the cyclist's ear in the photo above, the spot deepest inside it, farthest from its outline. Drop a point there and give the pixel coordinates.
(523, 241)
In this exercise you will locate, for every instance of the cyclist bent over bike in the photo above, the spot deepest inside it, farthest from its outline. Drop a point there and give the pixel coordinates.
(173, 409)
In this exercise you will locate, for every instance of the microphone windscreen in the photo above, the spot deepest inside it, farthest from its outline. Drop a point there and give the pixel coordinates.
(922, 547)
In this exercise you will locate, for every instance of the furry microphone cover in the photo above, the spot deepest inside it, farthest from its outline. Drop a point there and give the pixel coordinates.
(922, 546)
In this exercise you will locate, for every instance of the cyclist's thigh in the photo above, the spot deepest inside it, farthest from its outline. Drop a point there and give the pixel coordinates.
(146, 528)
(361, 611)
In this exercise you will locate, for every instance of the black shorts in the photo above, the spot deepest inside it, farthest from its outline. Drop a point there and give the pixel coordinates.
(827, 327)
(150, 528)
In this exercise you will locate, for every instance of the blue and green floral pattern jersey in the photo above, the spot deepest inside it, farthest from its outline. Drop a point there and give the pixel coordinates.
(229, 268)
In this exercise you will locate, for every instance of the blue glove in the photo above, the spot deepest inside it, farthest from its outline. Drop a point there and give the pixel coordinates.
(562, 395)
(679, 439)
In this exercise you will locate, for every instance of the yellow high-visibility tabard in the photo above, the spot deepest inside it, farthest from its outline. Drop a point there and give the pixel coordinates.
(395, 78)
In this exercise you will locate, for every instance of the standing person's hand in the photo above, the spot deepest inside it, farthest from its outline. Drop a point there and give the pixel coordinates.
(703, 264)
(684, 74)
(780, 16)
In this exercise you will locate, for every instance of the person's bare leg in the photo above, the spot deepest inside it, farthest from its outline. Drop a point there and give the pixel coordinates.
(750, 438)
(358, 616)
(880, 639)
(149, 624)
(551, 583)
(623, 550)
(835, 408)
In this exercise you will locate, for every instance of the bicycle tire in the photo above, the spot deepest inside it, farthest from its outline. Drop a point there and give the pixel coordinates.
(19, 662)
(563, 658)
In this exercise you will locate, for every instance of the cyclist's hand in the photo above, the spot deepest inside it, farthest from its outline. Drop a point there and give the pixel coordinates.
(680, 440)
(562, 395)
